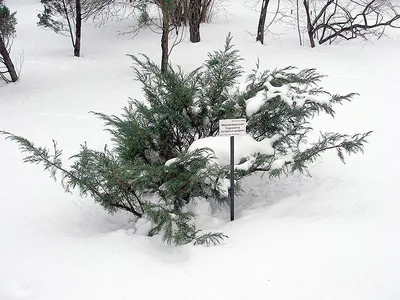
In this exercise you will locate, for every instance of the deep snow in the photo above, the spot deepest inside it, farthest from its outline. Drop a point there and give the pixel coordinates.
(332, 236)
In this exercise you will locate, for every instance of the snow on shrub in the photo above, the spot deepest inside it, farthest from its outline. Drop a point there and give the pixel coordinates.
(167, 153)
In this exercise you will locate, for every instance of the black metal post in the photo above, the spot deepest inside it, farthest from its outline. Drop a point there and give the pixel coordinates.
(232, 189)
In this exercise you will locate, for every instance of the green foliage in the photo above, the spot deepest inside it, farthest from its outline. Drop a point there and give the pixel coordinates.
(210, 239)
(143, 15)
(57, 15)
(60, 15)
(177, 227)
(152, 172)
(7, 22)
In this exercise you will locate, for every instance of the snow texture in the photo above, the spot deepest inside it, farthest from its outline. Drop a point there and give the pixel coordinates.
(280, 162)
(254, 104)
(293, 99)
(245, 146)
(143, 226)
(170, 161)
(246, 165)
(333, 236)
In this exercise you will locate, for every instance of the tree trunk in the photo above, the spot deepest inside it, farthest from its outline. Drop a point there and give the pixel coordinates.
(298, 22)
(310, 28)
(205, 6)
(78, 28)
(7, 61)
(194, 20)
(179, 16)
(164, 41)
(261, 22)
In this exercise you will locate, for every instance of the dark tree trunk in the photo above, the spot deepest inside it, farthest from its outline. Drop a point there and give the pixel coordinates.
(298, 22)
(78, 28)
(194, 20)
(261, 22)
(310, 28)
(164, 41)
(179, 16)
(7, 61)
(204, 9)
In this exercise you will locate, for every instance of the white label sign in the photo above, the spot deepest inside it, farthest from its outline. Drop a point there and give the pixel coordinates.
(231, 127)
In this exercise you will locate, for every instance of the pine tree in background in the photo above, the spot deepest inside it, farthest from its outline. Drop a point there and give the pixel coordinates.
(64, 17)
(7, 33)
(154, 171)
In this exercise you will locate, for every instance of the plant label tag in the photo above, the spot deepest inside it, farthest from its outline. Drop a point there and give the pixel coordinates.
(232, 127)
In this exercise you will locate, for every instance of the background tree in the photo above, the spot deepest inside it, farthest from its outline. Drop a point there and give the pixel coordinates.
(261, 21)
(194, 20)
(262, 28)
(334, 20)
(169, 23)
(167, 9)
(192, 13)
(207, 7)
(310, 27)
(351, 19)
(7, 33)
(66, 16)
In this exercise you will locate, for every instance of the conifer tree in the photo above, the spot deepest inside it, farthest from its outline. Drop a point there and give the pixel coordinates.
(7, 33)
(153, 172)
(66, 17)
(63, 17)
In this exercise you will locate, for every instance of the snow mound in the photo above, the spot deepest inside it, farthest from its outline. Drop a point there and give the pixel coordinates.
(245, 146)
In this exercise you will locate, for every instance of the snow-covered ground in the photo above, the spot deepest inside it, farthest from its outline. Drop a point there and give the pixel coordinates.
(332, 236)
